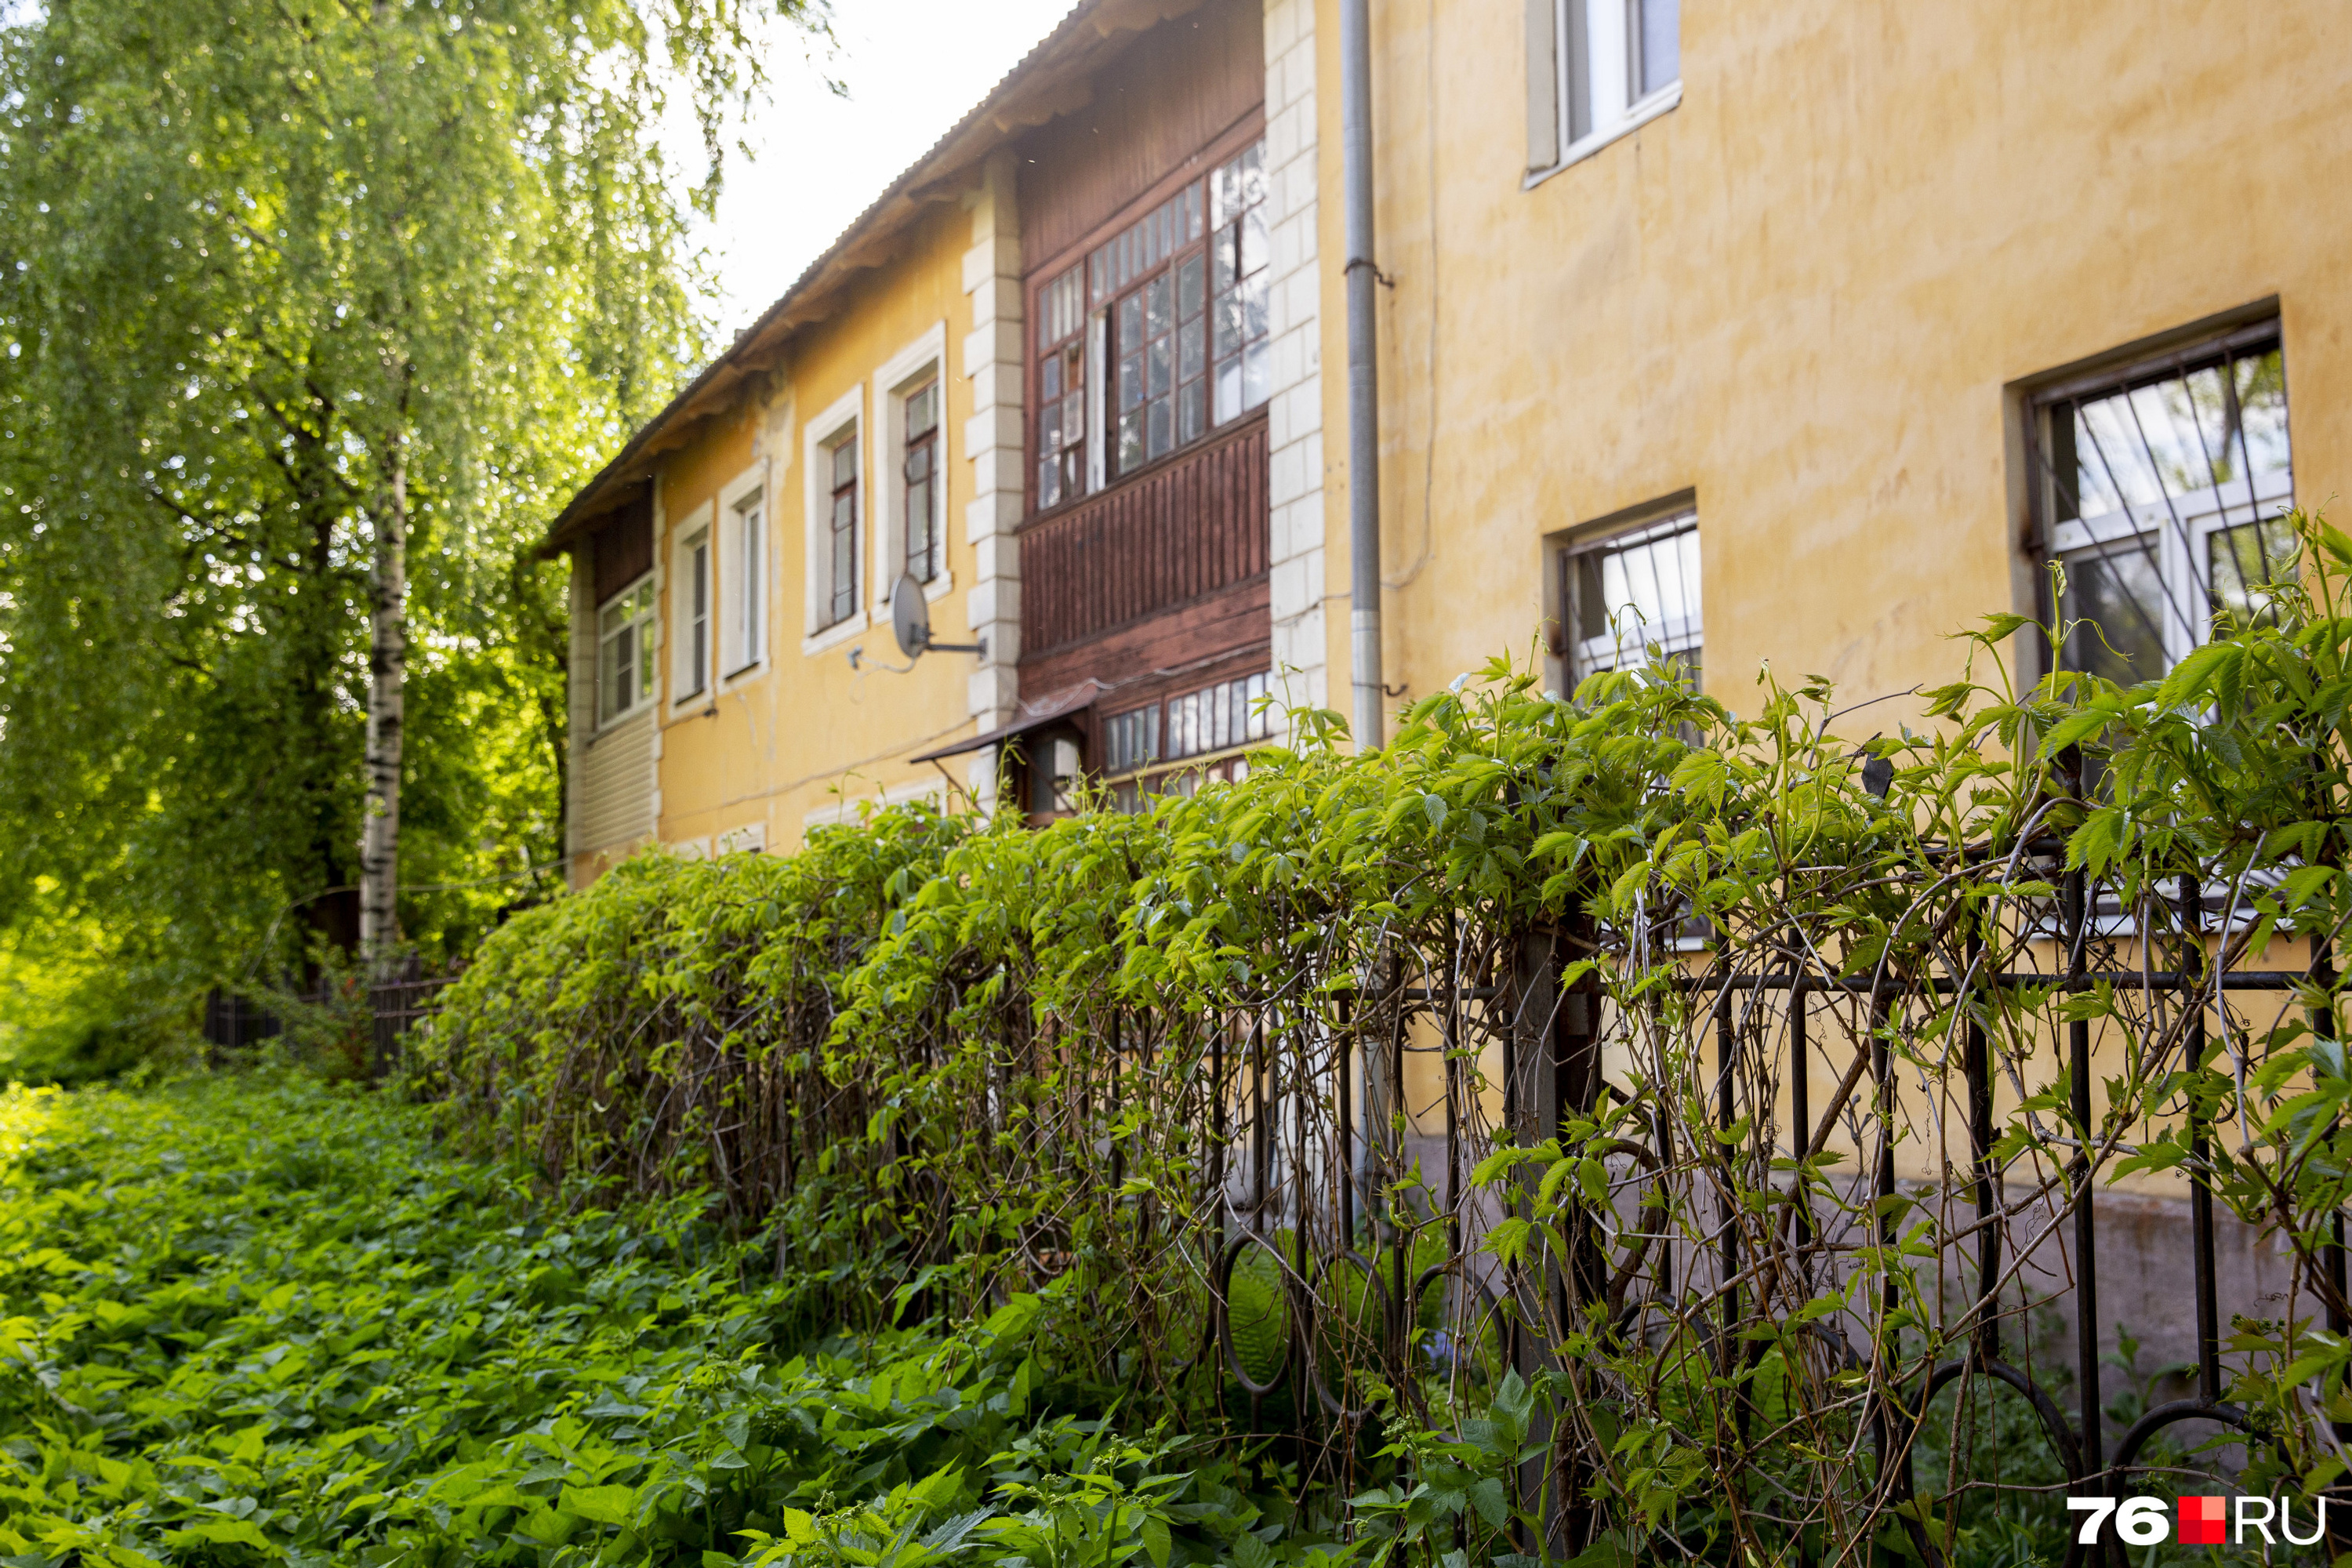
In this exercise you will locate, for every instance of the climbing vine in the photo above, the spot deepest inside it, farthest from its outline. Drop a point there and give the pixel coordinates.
(1720, 1104)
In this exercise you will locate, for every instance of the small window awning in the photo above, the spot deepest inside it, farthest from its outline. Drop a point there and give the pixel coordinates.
(1030, 717)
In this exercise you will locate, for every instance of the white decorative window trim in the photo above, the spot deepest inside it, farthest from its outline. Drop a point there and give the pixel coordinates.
(927, 355)
(728, 555)
(845, 413)
(680, 578)
(645, 654)
(1663, 101)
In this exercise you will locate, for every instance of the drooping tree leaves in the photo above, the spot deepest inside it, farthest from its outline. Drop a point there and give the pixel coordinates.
(256, 259)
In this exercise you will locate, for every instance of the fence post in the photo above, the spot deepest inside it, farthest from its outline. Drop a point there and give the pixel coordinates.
(1553, 1070)
(2074, 925)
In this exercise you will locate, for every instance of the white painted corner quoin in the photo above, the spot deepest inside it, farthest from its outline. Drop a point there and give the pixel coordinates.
(1295, 435)
(992, 363)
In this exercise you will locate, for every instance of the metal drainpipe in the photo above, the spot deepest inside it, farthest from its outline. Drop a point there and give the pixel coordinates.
(1363, 383)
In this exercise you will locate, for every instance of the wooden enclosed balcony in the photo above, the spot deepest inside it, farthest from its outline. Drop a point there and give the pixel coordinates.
(1182, 531)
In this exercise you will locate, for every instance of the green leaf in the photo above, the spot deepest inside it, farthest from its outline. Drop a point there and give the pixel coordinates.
(223, 1532)
(601, 1505)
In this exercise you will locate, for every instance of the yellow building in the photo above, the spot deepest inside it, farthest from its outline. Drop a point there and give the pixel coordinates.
(1110, 239)
(1798, 335)
(1808, 334)
(1765, 337)
(1811, 335)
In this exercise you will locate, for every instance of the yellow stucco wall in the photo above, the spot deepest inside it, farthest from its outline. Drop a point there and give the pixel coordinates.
(1805, 294)
(806, 733)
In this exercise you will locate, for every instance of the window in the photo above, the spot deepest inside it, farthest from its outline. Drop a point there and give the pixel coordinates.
(1062, 389)
(2163, 489)
(1130, 740)
(841, 457)
(1654, 33)
(1632, 590)
(1172, 312)
(693, 648)
(1230, 713)
(1054, 774)
(1598, 69)
(748, 596)
(1238, 252)
(1153, 276)
(919, 468)
(624, 652)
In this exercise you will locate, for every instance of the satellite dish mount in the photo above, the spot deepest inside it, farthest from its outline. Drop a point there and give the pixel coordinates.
(911, 621)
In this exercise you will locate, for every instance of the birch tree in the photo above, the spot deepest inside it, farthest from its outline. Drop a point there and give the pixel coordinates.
(311, 311)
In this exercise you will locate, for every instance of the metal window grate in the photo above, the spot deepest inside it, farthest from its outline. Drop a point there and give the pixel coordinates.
(1634, 595)
(2162, 491)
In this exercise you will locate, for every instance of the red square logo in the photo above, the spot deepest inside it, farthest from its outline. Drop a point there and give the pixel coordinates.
(2202, 1521)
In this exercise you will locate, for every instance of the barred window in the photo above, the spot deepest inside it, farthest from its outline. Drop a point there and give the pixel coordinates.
(1632, 591)
(2163, 489)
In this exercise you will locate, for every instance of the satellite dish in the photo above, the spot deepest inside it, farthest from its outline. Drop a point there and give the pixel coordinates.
(911, 621)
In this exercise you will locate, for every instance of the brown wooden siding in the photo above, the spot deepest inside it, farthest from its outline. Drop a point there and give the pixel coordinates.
(1170, 94)
(1226, 633)
(622, 548)
(1189, 527)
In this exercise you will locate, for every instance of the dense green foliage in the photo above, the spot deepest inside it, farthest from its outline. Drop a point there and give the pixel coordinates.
(245, 1322)
(281, 284)
(963, 1060)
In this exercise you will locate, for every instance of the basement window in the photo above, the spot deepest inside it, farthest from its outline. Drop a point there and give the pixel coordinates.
(1633, 595)
(2163, 489)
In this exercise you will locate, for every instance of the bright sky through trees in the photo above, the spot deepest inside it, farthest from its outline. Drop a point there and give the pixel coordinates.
(913, 69)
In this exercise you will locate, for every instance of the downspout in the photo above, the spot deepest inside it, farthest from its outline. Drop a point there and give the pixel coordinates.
(1363, 382)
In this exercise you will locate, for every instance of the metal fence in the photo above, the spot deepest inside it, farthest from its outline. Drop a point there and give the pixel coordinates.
(1309, 1139)
(238, 1021)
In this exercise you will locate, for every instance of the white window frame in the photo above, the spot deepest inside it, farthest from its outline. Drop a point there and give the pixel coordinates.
(689, 683)
(1622, 646)
(649, 624)
(924, 359)
(742, 528)
(1598, 41)
(846, 415)
(2182, 526)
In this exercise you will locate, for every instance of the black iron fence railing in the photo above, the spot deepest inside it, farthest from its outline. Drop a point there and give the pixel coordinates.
(382, 1015)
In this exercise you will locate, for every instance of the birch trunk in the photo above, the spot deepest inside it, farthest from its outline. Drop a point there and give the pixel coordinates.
(387, 676)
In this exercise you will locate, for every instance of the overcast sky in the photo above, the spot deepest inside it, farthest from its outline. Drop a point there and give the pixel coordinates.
(913, 69)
